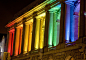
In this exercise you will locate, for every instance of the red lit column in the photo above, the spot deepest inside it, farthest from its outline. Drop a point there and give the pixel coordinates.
(9, 43)
(12, 40)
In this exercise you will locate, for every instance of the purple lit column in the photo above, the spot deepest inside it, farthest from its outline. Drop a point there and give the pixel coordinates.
(67, 23)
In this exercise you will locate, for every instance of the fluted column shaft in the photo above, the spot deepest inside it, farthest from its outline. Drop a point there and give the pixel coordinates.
(17, 41)
(26, 38)
(42, 28)
(9, 43)
(36, 46)
(20, 40)
(50, 32)
(30, 36)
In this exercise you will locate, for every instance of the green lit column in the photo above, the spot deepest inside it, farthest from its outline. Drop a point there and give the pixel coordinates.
(58, 24)
(50, 32)
(54, 29)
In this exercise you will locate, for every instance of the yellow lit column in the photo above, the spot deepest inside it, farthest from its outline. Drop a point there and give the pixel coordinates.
(17, 41)
(37, 34)
(30, 37)
(26, 38)
(42, 25)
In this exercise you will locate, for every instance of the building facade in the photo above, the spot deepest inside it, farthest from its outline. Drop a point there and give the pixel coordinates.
(49, 30)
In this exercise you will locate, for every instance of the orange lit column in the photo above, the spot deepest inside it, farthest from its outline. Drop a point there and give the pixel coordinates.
(30, 37)
(17, 41)
(36, 46)
(20, 40)
(26, 38)
(9, 43)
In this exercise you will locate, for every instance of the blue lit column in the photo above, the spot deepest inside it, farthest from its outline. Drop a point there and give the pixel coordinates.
(67, 26)
(71, 23)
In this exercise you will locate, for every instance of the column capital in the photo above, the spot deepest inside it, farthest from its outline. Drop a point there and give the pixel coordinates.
(71, 3)
(51, 12)
(34, 14)
(24, 20)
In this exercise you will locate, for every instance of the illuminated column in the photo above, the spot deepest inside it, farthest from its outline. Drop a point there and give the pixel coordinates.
(46, 31)
(41, 33)
(58, 25)
(55, 27)
(30, 37)
(12, 42)
(50, 32)
(76, 26)
(26, 38)
(67, 23)
(72, 22)
(9, 43)
(37, 34)
(17, 41)
(20, 40)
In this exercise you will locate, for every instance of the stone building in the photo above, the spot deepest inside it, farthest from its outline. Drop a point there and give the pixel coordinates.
(49, 30)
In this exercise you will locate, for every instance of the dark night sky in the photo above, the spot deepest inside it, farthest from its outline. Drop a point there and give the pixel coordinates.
(8, 8)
